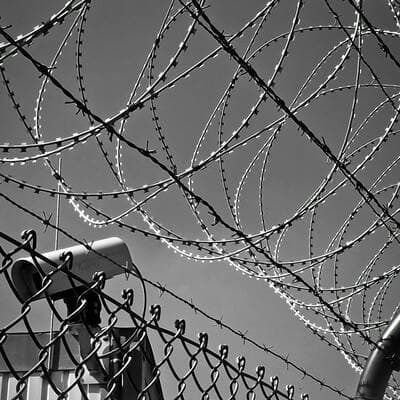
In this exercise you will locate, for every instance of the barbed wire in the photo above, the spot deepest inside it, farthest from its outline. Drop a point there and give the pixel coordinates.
(163, 289)
(355, 174)
(238, 382)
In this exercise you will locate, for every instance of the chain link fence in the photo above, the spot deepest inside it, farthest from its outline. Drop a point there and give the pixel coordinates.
(110, 362)
(303, 94)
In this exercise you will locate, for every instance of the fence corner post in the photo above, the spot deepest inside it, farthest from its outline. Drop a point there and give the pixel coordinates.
(380, 365)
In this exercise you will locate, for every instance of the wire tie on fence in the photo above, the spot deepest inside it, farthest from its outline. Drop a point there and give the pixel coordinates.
(290, 391)
(223, 351)
(241, 363)
(128, 296)
(260, 371)
(99, 277)
(180, 325)
(66, 258)
(29, 235)
(155, 311)
(274, 382)
(203, 339)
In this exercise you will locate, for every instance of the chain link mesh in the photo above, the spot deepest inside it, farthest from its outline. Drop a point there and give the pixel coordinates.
(346, 203)
(195, 369)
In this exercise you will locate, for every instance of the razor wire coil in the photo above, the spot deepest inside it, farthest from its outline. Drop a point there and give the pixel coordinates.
(311, 278)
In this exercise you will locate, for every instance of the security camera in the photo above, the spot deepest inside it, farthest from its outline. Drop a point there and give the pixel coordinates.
(105, 255)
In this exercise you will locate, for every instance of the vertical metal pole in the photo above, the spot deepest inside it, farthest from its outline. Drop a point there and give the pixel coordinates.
(58, 205)
(380, 365)
(55, 248)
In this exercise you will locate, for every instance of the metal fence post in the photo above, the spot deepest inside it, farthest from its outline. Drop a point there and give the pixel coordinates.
(380, 365)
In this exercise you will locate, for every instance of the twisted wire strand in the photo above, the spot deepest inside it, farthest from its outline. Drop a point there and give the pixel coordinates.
(214, 361)
(314, 282)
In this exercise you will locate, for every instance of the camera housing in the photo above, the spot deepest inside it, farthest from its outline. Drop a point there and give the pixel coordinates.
(106, 255)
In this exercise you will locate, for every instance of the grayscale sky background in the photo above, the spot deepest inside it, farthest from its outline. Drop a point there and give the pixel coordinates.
(118, 36)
